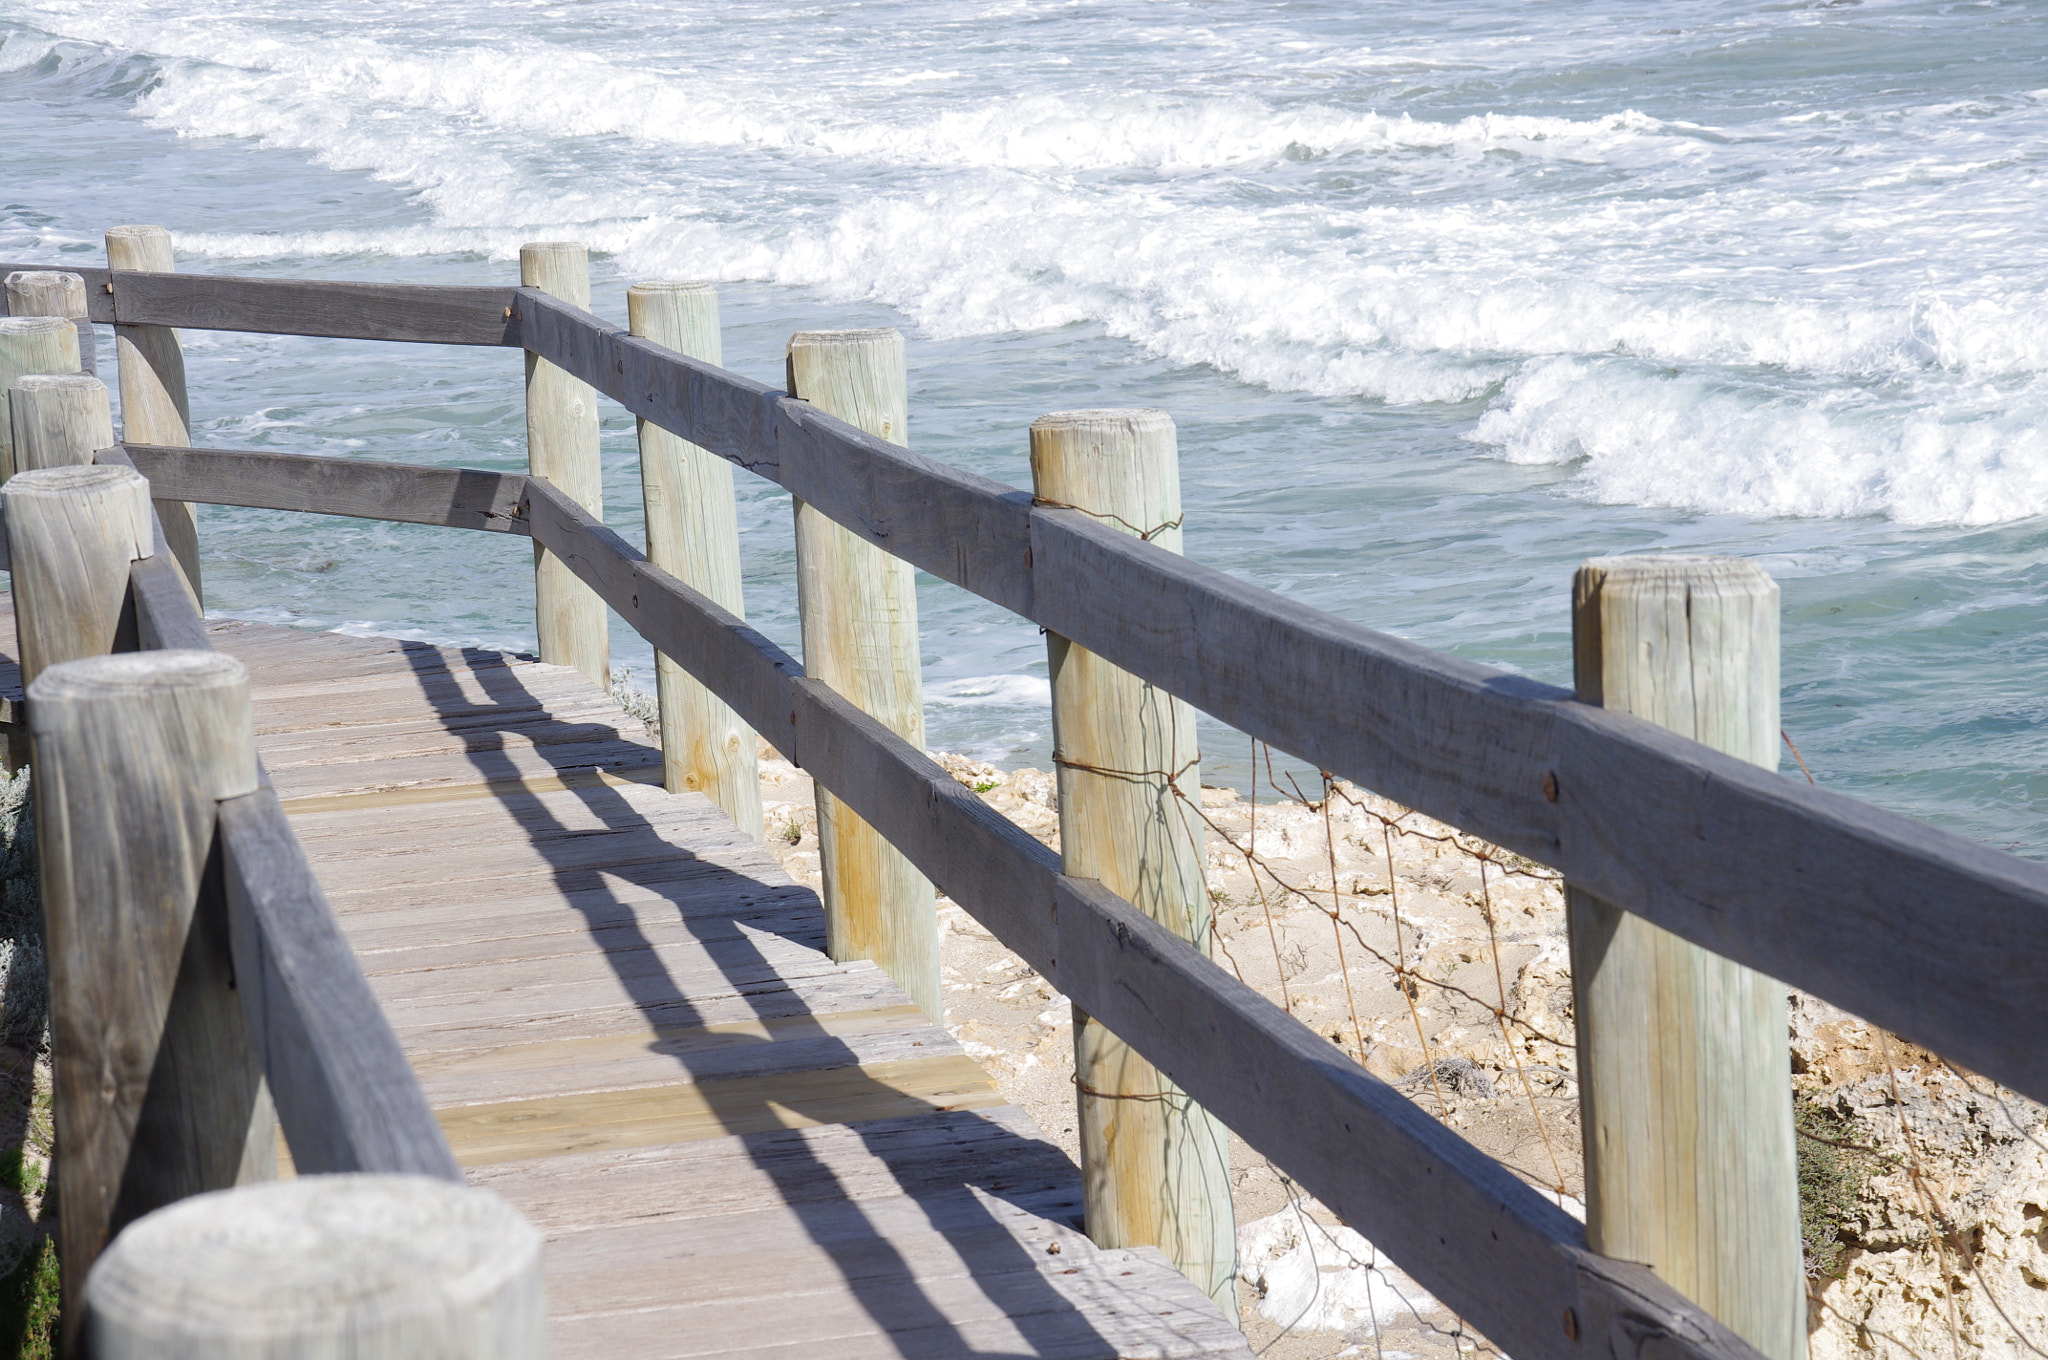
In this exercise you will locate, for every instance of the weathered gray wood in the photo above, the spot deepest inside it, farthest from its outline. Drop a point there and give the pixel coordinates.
(1933, 936)
(693, 531)
(433, 314)
(58, 419)
(157, 1093)
(167, 616)
(48, 292)
(99, 301)
(457, 498)
(858, 610)
(154, 409)
(31, 344)
(346, 1098)
(1490, 1247)
(372, 1267)
(1684, 1069)
(561, 445)
(74, 532)
(1154, 1165)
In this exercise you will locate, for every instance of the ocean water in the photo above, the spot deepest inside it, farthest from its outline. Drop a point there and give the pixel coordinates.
(1443, 298)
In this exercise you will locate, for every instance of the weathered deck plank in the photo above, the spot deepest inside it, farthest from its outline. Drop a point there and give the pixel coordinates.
(619, 1008)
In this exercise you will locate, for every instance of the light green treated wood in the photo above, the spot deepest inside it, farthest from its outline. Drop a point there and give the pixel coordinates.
(1685, 1071)
(368, 1267)
(31, 344)
(1155, 1166)
(157, 1091)
(693, 533)
(50, 292)
(561, 445)
(58, 419)
(154, 408)
(858, 608)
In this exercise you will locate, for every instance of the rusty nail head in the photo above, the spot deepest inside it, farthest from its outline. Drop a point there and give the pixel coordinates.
(1550, 786)
(1571, 1325)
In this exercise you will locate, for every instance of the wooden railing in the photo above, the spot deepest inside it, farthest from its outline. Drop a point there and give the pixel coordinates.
(1940, 939)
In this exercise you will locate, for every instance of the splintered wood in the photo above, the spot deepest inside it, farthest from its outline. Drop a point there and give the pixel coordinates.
(620, 1009)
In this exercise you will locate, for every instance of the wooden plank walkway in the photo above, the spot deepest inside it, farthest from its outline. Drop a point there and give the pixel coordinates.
(619, 1007)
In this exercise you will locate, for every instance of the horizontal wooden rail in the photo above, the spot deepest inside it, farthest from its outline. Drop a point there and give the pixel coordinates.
(1933, 936)
(425, 313)
(346, 1097)
(455, 498)
(1490, 1247)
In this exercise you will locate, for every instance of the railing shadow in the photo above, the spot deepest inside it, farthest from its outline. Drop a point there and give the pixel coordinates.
(873, 1270)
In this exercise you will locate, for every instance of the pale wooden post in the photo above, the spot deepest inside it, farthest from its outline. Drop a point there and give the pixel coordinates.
(1154, 1165)
(858, 610)
(157, 1090)
(561, 445)
(1685, 1079)
(364, 1266)
(73, 531)
(693, 533)
(58, 420)
(31, 344)
(49, 292)
(154, 409)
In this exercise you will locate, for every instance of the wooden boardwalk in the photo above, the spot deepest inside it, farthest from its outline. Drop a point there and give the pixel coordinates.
(619, 1009)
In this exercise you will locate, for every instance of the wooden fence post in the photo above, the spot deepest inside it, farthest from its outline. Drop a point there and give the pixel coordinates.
(49, 292)
(373, 1267)
(58, 420)
(1684, 1067)
(73, 531)
(1154, 1165)
(29, 345)
(693, 533)
(561, 445)
(154, 409)
(858, 610)
(157, 1090)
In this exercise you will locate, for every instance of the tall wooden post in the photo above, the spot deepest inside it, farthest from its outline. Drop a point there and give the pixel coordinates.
(58, 420)
(158, 1092)
(561, 445)
(693, 533)
(31, 344)
(154, 409)
(858, 609)
(371, 1267)
(1684, 1068)
(50, 292)
(1154, 1165)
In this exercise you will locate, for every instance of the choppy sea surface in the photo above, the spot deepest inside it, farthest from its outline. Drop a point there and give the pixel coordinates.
(1444, 298)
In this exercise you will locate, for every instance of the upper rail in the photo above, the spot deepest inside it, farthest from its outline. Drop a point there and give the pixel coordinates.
(1936, 937)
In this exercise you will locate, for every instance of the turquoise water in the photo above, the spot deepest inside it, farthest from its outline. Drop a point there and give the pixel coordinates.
(1443, 299)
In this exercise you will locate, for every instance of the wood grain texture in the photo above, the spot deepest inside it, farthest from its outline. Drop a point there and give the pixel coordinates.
(392, 1267)
(58, 419)
(157, 1092)
(1684, 1070)
(166, 610)
(1155, 1166)
(1490, 1247)
(561, 445)
(456, 498)
(1933, 936)
(49, 292)
(693, 532)
(421, 313)
(858, 609)
(154, 406)
(99, 302)
(74, 531)
(31, 344)
(346, 1099)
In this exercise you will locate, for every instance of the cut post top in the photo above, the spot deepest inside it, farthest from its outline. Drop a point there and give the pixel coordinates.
(1120, 466)
(679, 314)
(56, 419)
(856, 375)
(45, 292)
(143, 248)
(558, 268)
(74, 699)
